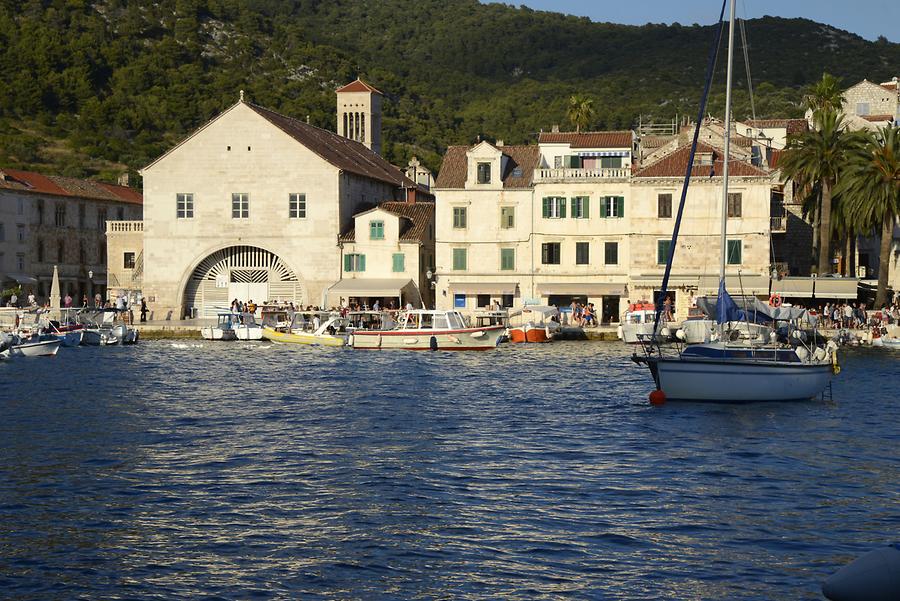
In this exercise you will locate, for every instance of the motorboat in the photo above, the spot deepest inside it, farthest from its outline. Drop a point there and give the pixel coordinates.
(638, 324)
(224, 328)
(335, 331)
(35, 348)
(541, 326)
(723, 371)
(248, 328)
(423, 329)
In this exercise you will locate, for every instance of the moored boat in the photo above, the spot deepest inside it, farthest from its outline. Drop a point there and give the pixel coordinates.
(36, 348)
(224, 328)
(422, 329)
(334, 332)
(540, 327)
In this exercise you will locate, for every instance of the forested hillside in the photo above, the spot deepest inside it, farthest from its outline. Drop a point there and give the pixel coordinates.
(92, 87)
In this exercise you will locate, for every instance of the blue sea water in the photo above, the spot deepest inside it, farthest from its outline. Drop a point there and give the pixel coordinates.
(252, 471)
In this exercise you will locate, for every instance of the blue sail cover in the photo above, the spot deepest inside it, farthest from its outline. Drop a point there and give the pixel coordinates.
(726, 309)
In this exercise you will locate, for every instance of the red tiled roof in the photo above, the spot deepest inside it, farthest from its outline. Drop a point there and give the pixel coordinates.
(358, 86)
(878, 117)
(452, 173)
(675, 165)
(28, 181)
(774, 158)
(588, 139)
(415, 217)
(792, 126)
(341, 152)
(891, 85)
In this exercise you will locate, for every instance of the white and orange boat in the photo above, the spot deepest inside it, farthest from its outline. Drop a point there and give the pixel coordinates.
(539, 327)
(423, 330)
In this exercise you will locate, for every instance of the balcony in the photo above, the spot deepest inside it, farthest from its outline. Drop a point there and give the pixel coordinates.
(124, 226)
(778, 225)
(580, 175)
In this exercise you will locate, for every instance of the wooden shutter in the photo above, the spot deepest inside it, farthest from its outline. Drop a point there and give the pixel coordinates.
(604, 206)
(620, 206)
(347, 262)
(562, 208)
(362, 262)
(585, 207)
(546, 207)
(545, 252)
(574, 202)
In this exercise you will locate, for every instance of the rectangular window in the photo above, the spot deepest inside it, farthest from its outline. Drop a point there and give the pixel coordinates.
(459, 218)
(733, 252)
(664, 202)
(20, 233)
(506, 301)
(734, 204)
(40, 209)
(581, 207)
(484, 173)
(554, 207)
(611, 253)
(128, 261)
(20, 206)
(60, 251)
(507, 217)
(460, 256)
(507, 259)
(550, 253)
(582, 253)
(399, 260)
(612, 206)
(376, 230)
(297, 206)
(120, 214)
(610, 162)
(862, 108)
(20, 262)
(40, 251)
(482, 300)
(60, 215)
(101, 219)
(240, 206)
(459, 301)
(662, 251)
(82, 211)
(354, 262)
(184, 206)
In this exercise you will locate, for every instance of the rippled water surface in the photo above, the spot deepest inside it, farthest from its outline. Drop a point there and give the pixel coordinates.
(256, 471)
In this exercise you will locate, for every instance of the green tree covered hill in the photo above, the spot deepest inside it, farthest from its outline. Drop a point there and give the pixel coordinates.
(91, 87)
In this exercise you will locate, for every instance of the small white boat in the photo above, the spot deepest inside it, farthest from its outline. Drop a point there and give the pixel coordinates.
(540, 327)
(37, 348)
(248, 328)
(423, 330)
(334, 332)
(224, 329)
(637, 324)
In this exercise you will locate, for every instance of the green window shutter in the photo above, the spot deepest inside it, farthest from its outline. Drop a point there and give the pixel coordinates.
(347, 262)
(574, 202)
(586, 207)
(362, 262)
(399, 263)
(604, 206)
(620, 206)
(562, 208)
(546, 207)
(734, 252)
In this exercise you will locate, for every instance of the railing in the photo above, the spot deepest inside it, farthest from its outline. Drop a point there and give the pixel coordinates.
(124, 226)
(569, 174)
(778, 225)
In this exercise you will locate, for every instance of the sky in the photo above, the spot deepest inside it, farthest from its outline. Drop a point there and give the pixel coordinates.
(866, 18)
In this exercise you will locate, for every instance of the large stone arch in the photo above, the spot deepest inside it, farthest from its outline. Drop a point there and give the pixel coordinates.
(240, 271)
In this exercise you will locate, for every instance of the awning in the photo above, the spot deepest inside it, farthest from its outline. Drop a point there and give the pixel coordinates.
(99, 279)
(21, 278)
(603, 153)
(746, 285)
(844, 288)
(796, 287)
(371, 287)
(483, 287)
(655, 281)
(578, 289)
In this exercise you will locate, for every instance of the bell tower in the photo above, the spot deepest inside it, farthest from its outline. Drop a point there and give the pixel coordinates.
(359, 114)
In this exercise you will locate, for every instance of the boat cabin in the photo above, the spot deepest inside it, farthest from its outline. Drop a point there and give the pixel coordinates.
(432, 320)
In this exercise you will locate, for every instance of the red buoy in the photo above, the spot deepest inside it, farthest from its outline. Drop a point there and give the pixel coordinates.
(657, 398)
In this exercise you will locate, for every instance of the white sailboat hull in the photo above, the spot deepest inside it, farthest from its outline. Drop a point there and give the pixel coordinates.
(740, 381)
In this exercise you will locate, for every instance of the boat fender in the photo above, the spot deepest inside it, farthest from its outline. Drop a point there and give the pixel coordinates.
(433, 343)
(775, 300)
(873, 577)
(819, 354)
(657, 398)
(665, 332)
(619, 333)
(802, 353)
(478, 334)
(680, 335)
(835, 366)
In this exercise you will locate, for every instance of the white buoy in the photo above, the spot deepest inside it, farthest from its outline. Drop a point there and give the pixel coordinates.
(680, 335)
(873, 577)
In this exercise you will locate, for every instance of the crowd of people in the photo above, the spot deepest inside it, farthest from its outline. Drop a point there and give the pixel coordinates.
(852, 315)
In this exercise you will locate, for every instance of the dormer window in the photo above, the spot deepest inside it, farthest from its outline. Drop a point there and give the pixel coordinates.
(703, 158)
(376, 230)
(484, 173)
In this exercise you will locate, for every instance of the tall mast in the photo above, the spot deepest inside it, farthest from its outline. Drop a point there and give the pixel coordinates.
(727, 141)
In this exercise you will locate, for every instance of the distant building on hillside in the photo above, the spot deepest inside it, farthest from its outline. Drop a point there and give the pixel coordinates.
(252, 206)
(48, 220)
(874, 103)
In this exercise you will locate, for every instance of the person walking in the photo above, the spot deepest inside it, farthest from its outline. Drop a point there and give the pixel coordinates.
(143, 310)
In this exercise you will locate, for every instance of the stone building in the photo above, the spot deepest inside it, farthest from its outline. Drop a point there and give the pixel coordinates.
(48, 220)
(873, 102)
(252, 204)
(574, 218)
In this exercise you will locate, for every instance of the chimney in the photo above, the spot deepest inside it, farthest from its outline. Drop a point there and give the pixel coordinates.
(555, 128)
(123, 179)
(411, 195)
(499, 143)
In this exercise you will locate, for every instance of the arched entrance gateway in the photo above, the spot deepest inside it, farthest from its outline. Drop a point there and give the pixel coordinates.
(242, 272)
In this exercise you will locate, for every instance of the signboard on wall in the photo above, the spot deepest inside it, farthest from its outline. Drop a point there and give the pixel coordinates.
(221, 280)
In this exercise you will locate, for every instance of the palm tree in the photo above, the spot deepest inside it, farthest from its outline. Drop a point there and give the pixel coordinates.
(580, 111)
(825, 95)
(813, 160)
(871, 184)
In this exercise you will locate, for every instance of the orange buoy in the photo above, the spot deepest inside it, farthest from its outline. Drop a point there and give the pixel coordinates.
(657, 398)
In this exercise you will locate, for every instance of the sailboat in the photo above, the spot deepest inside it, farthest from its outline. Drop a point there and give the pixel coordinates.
(723, 371)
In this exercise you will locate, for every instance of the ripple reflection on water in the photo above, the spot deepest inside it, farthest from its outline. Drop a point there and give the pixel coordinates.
(533, 472)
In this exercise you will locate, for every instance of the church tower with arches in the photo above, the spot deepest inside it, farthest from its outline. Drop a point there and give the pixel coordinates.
(359, 114)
